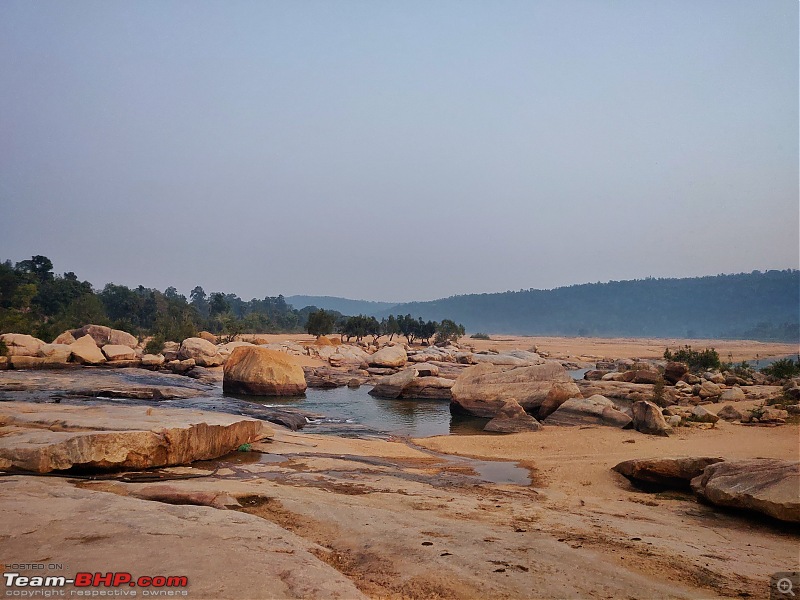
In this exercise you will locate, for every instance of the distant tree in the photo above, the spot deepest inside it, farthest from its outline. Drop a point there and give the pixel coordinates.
(409, 327)
(39, 267)
(426, 330)
(390, 327)
(217, 304)
(449, 331)
(320, 322)
(198, 299)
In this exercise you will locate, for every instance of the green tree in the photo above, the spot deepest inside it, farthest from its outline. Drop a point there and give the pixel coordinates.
(320, 322)
(449, 331)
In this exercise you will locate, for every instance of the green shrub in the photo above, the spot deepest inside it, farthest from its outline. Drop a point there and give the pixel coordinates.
(480, 336)
(155, 345)
(785, 368)
(3, 348)
(697, 360)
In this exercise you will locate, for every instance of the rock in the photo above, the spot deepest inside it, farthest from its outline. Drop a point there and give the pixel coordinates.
(65, 338)
(392, 386)
(103, 335)
(733, 394)
(388, 356)
(258, 371)
(116, 531)
(27, 362)
(709, 389)
(46, 437)
(595, 410)
(641, 376)
(181, 366)
(773, 415)
(766, 485)
(559, 393)
(437, 388)
(732, 380)
(85, 351)
(152, 360)
(613, 376)
(691, 379)
(595, 374)
(19, 344)
(717, 378)
(647, 418)
(674, 420)
(202, 351)
(208, 336)
(226, 349)
(701, 415)
(506, 360)
(426, 370)
(674, 371)
(512, 418)
(55, 353)
(482, 390)
(354, 384)
(117, 352)
(729, 413)
(203, 374)
(667, 472)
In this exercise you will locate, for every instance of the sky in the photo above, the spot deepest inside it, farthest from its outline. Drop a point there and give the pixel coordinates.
(398, 151)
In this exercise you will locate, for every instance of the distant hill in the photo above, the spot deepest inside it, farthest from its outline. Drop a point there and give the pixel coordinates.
(343, 305)
(755, 305)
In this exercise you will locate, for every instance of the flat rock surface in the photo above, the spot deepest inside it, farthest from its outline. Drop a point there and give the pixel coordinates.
(224, 554)
(48, 437)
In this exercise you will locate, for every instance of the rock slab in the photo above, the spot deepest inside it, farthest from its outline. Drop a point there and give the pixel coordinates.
(667, 472)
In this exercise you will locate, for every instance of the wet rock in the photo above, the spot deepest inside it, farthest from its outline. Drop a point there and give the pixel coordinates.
(48, 437)
(257, 371)
(667, 472)
(512, 418)
(647, 418)
(202, 351)
(86, 352)
(766, 485)
(482, 390)
(595, 410)
(388, 356)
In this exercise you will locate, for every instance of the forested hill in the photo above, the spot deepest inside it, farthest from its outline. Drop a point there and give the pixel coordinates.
(342, 305)
(756, 305)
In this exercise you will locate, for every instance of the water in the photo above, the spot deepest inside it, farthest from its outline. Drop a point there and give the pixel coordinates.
(353, 412)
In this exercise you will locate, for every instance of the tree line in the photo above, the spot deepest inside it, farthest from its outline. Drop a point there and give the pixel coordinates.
(323, 322)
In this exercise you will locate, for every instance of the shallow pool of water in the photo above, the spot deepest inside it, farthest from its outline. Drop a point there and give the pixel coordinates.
(354, 412)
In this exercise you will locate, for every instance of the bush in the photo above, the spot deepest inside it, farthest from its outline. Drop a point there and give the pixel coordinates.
(784, 368)
(696, 360)
(3, 348)
(155, 345)
(480, 336)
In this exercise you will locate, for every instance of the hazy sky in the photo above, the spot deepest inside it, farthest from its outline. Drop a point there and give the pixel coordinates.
(398, 150)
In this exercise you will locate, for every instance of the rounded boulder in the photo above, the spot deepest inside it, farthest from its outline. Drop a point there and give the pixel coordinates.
(257, 371)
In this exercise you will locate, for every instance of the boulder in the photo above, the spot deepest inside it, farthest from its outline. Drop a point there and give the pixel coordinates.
(118, 352)
(208, 336)
(388, 356)
(729, 413)
(85, 351)
(766, 485)
(512, 418)
(65, 338)
(666, 472)
(55, 353)
(595, 410)
(482, 390)
(392, 386)
(641, 376)
(709, 389)
(716, 377)
(674, 371)
(116, 437)
(701, 415)
(103, 335)
(560, 392)
(510, 359)
(437, 388)
(595, 374)
(734, 394)
(647, 418)
(152, 360)
(426, 369)
(181, 366)
(258, 371)
(19, 344)
(202, 351)
(27, 362)
(773, 415)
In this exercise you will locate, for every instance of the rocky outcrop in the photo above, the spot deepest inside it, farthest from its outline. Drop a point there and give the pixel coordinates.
(46, 437)
(202, 351)
(482, 390)
(103, 335)
(666, 472)
(85, 351)
(766, 485)
(258, 371)
(595, 410)
(19, 344)
(388, 356)
(512, 418)
(647, 418)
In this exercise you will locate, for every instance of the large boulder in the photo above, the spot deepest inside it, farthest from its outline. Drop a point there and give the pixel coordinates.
(595, 410)
(103, 335)
(766, 485)
(709, 389)
(46, 437)
(701, 415)
(392, 386)
(65, 338)
(674, 371)
(641, 376)
(19, 344)
(119, 352)
(202, 351)
(512, 418)
(667, 472)
(647, 418)
(85, 351)
(734, 394)
(258, 371)
(388, 356)
(482, 390)
(408, 384)
(729, 413)
(55, 353)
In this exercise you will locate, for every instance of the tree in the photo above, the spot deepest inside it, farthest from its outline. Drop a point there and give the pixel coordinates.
(320, 322)
(39, 267)
(198, 300)
(217, 304)
(390, 327)
(449, 331)
(409, 327)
